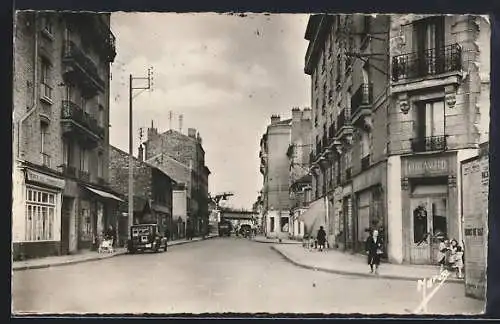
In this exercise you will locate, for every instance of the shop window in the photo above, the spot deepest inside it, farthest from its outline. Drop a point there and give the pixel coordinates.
(420, 228)
(271, 221)
(85, 222)
(284, 224)
(40, 213)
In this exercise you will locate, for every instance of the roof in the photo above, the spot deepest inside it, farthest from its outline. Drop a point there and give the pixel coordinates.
(145, 163)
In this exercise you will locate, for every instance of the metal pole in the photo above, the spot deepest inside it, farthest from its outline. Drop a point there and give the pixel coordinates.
(130, 162)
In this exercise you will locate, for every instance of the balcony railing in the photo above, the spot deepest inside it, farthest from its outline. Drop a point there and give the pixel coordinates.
(427, 63)
(428, 144)
(362, 97)
(84, 175)
(73, 112)
(45, 159)
(72, 53)
(365, 163)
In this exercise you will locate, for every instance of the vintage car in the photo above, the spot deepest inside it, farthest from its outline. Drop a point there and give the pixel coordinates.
(145, 237)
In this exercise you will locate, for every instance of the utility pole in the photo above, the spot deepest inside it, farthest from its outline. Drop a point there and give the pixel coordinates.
(149, 79)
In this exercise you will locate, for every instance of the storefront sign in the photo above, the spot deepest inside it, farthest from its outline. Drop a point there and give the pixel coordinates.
(426, 166)
(38, 177)
(475, 189)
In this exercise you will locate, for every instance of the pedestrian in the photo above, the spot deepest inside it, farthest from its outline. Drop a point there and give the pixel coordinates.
(442, 253)
(374, 250)
(110, 234)
(459, 261)
(167, 234)
(321, 236)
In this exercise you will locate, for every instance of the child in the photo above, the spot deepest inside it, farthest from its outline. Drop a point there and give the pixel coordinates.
(459, 264)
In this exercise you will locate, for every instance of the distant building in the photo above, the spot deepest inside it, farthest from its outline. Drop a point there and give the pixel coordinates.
(298, 155)
(61, 200)
(183, 157)
(153, 193)
(275, 171)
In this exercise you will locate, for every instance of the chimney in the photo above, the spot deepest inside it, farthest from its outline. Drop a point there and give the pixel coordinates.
(296, 115)
(141, 153)
(307, 113)
(192, 132)
(275, 119)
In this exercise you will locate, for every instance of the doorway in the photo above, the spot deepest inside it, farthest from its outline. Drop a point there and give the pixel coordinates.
(429, 222)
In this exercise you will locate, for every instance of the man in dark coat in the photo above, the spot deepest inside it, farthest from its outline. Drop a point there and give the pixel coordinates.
(374, 249)
(321, 237)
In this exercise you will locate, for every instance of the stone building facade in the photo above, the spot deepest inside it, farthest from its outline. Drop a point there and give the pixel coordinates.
(61, 198)
(274, 167)
(153, 194)
(299, 177)
(183, 158)
(398, 101)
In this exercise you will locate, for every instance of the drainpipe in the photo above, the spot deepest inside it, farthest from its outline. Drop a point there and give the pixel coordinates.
(35, 88)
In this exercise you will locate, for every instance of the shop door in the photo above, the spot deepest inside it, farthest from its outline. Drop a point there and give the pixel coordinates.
(428, 223)
(65, 225)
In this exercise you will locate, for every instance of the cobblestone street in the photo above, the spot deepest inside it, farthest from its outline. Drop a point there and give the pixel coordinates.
(218, 275)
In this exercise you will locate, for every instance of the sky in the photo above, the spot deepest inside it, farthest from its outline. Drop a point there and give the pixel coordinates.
(225, 74)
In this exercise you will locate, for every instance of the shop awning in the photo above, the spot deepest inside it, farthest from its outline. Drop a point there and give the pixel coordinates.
(314, 217)
(104, 194)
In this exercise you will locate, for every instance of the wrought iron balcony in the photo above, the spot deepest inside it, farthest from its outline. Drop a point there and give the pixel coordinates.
(361, 101)
(426, 63)
(74, 117)
(365, 163)
(83, 69)
(429, 144)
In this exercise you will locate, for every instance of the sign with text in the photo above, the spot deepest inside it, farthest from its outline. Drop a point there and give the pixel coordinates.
(45, 179)
(427, 165)
(475, 189)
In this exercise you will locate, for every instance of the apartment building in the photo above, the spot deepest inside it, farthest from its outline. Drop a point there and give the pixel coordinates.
(299, 176)
(61, 198)
(274, 168)
(398, 101)
(182, 157)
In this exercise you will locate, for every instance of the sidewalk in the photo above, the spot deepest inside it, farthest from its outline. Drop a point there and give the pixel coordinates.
(263, 239)
(84, 256)
(354, 264)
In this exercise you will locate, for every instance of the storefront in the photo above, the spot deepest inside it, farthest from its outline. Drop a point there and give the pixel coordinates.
(347, 215)
(369, 204)
(429, 199)
(36, 211)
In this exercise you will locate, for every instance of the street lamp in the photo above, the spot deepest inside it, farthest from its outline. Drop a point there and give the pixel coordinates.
(149, 78)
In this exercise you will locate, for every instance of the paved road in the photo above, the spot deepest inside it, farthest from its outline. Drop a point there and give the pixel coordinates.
(218, 275)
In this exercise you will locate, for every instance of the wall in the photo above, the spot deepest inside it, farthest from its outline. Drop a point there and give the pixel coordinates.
(179, 204)
(277, 186)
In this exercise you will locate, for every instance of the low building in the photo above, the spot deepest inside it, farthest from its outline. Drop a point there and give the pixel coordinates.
(153, 192)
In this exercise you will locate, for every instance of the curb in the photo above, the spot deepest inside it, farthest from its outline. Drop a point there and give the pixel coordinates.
(350, 273)
(101, 257)
(269, 242)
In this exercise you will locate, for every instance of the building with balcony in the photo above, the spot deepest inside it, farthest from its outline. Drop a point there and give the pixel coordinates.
(62, 200)
(398, 101)
(298, 154)
(274, 167)
(183, 158)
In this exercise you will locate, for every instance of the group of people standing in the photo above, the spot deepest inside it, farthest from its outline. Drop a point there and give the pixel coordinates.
(451, 255)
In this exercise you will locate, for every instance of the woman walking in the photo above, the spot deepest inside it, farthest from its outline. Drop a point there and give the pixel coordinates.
(321, 237)
(373, 247)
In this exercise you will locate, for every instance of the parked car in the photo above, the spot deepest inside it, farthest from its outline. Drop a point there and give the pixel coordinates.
(145, 237)
(245, 230)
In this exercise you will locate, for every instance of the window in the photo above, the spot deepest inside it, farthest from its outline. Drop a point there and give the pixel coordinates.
(66, 152)
(429, 44)
(83, 103)
(43, 144)
(271, 223)
(84, 164)
(365, 144)
(99, 165)
(69, 92)
(45, 72)
(430, 119)
(85, 221)
(40, 213)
